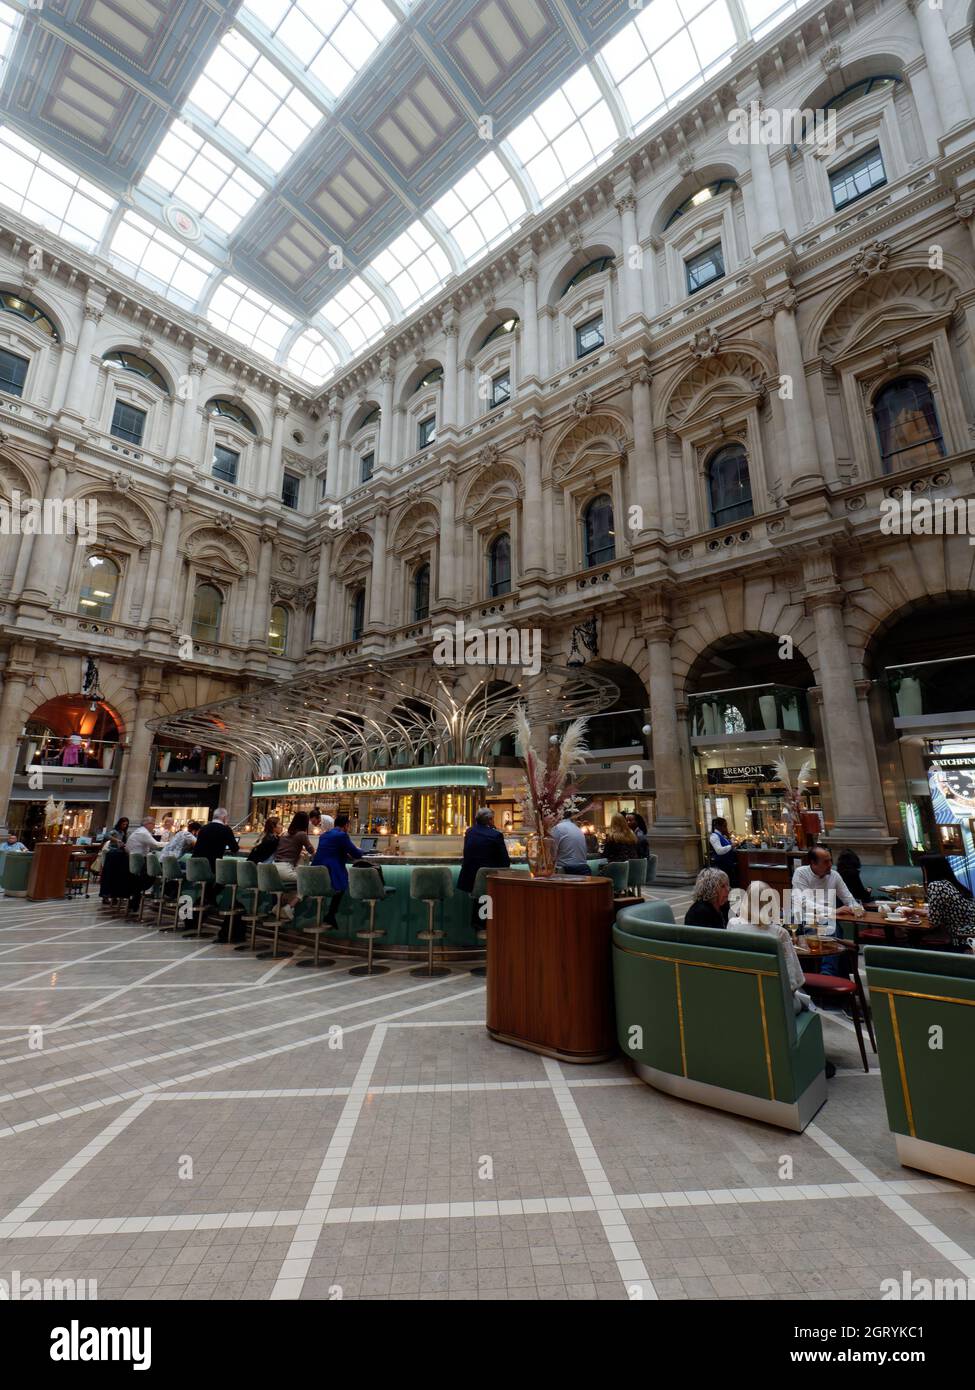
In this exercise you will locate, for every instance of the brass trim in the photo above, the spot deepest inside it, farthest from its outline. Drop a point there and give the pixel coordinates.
(768, 1054)
(915, 994)
(900, 1063)
(680, 1018)
(701, 964)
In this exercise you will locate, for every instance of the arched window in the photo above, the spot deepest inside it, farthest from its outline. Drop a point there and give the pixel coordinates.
(703, 195)
(593, 267)
(128, 362)
(729, 486)
(207, 612)
(277, 632)
(500, 330)
(229, 411)
(431, 378)
(499, 565)
(907, 424)
(599, 535)
(867, 87)
(358, 613)
(371, 419)
(99, 585)
(421, 593)
(24, 309)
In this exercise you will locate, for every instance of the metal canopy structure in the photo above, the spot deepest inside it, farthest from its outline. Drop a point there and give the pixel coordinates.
(385, 715)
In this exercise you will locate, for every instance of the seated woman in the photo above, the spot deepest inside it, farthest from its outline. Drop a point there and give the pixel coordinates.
(290, 849)
(951, 907)
(710, 905)
(115, 881)
(756, 912)
(620, 843)
(848, 868)
(267, 846)
(639, 827)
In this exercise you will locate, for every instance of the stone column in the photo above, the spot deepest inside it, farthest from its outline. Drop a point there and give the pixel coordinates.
(48, 550)
(940, 60)
(672, 836)
(385, 450)
(237, 787)
(262, 592)
(446, 582)
(136, 765)
(533, 523)
(529, 319)
(323, 594)
(162, 599)
(804, 468)
(17, 676)
(191, 420)
(275, 460)
(334, 433)
(767, 218)
(646, 483)
(448, 400)
(77, 398)
(377, 590)
(631, 286)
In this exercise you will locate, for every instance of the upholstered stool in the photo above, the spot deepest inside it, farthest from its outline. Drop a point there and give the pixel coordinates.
(154, 870)
(270, 881)
(171, 874)
(137, 867)
(431, 884)
(226, 875)
(636, 876)
(247, 888)
(315, 882)
(478, 893)
(618, 873)
(199, 876)
(844, 991)
(366, 886)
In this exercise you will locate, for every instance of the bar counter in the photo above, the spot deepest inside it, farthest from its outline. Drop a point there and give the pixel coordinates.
(772, 866)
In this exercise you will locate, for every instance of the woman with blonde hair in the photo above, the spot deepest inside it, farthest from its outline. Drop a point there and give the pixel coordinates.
(755, 908)
(620, 843)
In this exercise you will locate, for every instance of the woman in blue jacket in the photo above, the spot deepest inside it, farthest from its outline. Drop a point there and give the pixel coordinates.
(335, 849)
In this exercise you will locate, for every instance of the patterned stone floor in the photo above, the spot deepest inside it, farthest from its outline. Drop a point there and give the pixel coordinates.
(179, 1121)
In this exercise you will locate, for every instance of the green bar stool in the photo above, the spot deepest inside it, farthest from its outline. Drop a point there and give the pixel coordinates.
(478, 893)
(431, 884)
(247, 883)
(199, 875)
(154, 870)
(270, 881)
(315, 882)
(366, 886)
(137, 866)
(618, 873)
(637, 876)
(171, 874)
(226, 877)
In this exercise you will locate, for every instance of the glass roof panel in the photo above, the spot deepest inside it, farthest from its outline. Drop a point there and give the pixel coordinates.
(191, 170)
(481, 208)
(763, 15)
(332, 39)
(569, 133)
(48, 192)
(252, 101)
(414, 266)
(247, 316)
(312, 357)
(159, 260)
(9, 23)
(357, 313)
(669, 49)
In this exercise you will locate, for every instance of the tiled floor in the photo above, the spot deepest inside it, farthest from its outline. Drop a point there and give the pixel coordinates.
(180, 1121)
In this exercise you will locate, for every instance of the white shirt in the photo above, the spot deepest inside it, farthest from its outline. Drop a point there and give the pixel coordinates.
(570, 844)
(810, 888)
(179, 844)
(141, 841)
(718, 845)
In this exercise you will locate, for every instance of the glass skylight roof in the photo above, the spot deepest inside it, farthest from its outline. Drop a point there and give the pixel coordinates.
(9, 23)
(312, 357)
(357, 313)
(414, 266)
(48, 192)
(248, 317)
(331, 39)
(481, 208)
(763, 15)
(252, 101)
(668, 50)
(159, 260)
(565, 136)
(196, 173)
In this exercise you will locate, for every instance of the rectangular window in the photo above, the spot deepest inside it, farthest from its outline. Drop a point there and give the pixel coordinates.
(290, 486)
(426, 432)
(500, 389)
(128, 423)
(704, 268)
(13, 373)
(225, 463)
(367, 463)
(856, 179)
(324, 485)
(589, 336)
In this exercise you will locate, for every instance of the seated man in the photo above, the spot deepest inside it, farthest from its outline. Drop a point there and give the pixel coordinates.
(570, 846)
(335, 850)
(710, 905)
(484, 848)
(11, 844)
(817, 886)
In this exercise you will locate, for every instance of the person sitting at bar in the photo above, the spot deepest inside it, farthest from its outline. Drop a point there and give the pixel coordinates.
(216, 838)
(11, 845)
(639, 827)
(141, 841)
(570, 845)
(182, 842)
(721, 851)
(951, 907)
(266, 847)
(620, 843)
(848, 868)
(710, 905)
(484, 848)
(290, 849)
(335, 849)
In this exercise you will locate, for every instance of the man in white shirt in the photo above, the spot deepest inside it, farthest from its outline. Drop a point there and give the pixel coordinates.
(813, 881)
(141, 840)
(570, 847)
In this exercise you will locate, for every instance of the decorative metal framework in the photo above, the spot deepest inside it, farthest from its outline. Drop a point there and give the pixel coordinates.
(373, 716)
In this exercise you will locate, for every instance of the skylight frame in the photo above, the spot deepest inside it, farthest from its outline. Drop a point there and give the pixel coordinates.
(187, 265)
(302, 354)
(351, 308)
(250, 318)
(414, 266)
(464, 210)
(575, 115)
(37, 192)
(338, 49)
(191, 170)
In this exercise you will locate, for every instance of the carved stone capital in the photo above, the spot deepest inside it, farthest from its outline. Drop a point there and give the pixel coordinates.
(871, 259)
(705, 343)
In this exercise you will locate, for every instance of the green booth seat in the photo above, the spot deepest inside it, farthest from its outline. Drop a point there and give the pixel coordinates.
(876, 877)
(926, 1074)
(14, 873)
(707, 1015)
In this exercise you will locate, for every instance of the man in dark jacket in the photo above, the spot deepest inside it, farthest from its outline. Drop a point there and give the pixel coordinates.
(215, 839)
(484, 848)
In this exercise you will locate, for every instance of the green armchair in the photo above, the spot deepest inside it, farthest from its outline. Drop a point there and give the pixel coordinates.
(15, 873)
(924, 1019)
(707, 1015)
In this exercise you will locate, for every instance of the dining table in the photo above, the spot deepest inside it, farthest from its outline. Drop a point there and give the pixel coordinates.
(914, 923)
